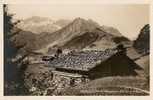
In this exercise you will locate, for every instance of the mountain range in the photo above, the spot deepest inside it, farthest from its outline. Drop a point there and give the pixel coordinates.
(37, 25)
(77, 34)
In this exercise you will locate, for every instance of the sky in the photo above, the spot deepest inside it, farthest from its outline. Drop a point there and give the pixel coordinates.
(127, 18)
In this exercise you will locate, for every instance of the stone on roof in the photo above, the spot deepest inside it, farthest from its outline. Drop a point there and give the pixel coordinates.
(83, 60)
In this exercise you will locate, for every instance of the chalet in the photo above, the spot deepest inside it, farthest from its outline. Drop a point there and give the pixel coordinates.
(94, 64)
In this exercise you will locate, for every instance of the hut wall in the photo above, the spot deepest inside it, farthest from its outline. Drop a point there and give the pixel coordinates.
(68, 79)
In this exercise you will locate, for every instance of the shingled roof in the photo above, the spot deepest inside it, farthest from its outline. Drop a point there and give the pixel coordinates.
(84, 60)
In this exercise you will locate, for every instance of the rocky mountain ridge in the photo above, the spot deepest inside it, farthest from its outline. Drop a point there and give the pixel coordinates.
(38, 25)
(78, 34)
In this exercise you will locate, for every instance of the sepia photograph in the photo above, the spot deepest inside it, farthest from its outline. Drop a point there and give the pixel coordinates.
(76, 49)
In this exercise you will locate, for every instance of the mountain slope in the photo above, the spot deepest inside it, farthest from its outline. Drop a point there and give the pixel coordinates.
(143, 41)
(39, 25)
(111, 30)
(77, 28)
(87, 38)
(79, 34)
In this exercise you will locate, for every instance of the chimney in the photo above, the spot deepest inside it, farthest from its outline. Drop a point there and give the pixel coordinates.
(58, 52)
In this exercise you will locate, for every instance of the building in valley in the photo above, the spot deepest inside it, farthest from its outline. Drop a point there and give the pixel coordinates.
(88, 65)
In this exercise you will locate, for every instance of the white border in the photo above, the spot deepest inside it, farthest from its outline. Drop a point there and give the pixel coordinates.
(76, 1)
(1, 50)
(74, 97)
